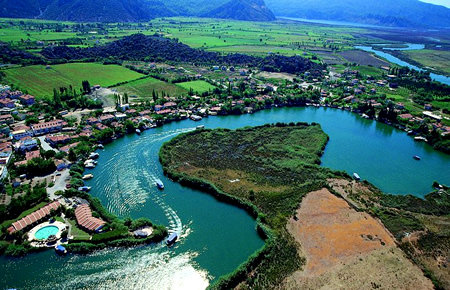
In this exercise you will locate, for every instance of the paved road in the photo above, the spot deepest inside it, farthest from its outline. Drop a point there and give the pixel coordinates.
(60, 184)
(45, 145)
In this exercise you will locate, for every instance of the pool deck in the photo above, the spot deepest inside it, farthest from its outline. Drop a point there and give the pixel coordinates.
(40, 243)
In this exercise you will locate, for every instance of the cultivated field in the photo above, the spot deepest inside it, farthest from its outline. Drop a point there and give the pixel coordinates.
(362, 58)
(144, 88)
(40, 81)
(197, 86)
(438, 60)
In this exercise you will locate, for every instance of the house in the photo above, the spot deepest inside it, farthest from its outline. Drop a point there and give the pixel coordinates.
(7, 103)
(170, 105)
(120, 116)
(55, 140)
(26, 144)
(428, 107)
(19, 134)
(60, 165)
(124, 107)
(6, 119)
(47, 127)
(406, 116)
(92, 121)
(106, 118)
(431, 115)
(27, 100)
(68, 147)
(158, 108)
(32, 154)
(3, 172)
(400, 106)
(84, 217)
(34, 217)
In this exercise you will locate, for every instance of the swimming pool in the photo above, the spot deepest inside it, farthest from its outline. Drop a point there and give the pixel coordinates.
(45, 232)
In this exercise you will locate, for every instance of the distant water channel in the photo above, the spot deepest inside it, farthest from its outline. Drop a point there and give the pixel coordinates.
(389, 57)
(215, 237)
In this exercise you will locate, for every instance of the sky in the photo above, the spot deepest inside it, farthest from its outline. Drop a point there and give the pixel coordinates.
(445, 3)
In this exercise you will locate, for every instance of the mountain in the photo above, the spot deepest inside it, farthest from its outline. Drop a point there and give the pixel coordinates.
(133, 10)
(242, 10)
(86, 10)
(398, 13)
(106, 10)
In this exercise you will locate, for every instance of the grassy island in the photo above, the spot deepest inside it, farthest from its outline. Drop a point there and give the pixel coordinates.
(270, 171)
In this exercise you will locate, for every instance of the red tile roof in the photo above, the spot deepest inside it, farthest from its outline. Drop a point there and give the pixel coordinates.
(33, 217)
(85, 219)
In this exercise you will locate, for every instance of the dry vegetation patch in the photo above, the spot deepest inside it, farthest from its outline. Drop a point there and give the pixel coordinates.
(347, 249)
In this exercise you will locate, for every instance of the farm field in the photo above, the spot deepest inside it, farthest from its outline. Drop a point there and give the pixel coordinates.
(196, 86)
(144, 88)
(438, 60)
(40, 81)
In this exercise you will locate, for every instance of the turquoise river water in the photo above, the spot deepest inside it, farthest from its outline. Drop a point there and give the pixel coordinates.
(215, 237)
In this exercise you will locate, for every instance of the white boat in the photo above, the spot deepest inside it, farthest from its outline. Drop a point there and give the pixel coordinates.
(159, 184)
(89, 165)
(356, 176)
(201, 127)
(138, 132)
(195, 118)
(94, 155)
(88, 176)
(419, 138)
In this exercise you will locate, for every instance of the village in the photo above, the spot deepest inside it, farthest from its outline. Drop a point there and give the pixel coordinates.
(51, 151)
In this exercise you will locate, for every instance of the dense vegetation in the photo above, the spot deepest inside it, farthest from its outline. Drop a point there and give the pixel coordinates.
(272, 167)
(15, 56)
(139, 47)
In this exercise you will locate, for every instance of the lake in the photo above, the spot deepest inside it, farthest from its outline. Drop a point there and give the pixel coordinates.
(215, 237)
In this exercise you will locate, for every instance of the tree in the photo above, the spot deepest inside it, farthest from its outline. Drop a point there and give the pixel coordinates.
(86, 87)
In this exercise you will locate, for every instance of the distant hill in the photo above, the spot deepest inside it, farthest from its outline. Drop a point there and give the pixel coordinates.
(139, 47)
(243, 10)
(133, 10)
(399, 13)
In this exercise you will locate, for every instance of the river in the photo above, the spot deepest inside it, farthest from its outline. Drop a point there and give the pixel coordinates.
(389, 57)
(215, 237)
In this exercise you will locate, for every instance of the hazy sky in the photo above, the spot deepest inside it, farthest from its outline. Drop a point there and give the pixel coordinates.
(445, 3)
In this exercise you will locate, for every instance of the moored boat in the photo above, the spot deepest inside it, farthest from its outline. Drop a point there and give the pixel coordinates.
(201, 127)
(138, 132)
(356, 176)
(88, 176)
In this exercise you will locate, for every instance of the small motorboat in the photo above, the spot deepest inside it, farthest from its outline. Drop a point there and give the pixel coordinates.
(159, 184)
(138, 132)
(172, 239)
(356, 176)
(417, 157)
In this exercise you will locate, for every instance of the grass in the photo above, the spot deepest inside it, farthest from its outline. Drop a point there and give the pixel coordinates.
(197, 86)
(439, 60)
(143, 88)
(273, 167)
(77, 233)
(23, 214)
(40, 82)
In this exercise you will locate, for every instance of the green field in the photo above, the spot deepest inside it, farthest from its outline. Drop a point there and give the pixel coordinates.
(40, 81)
(143, 88)
(438, 60)
(197, 86)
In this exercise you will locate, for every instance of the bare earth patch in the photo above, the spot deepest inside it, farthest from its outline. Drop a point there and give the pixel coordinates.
(346, 249)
